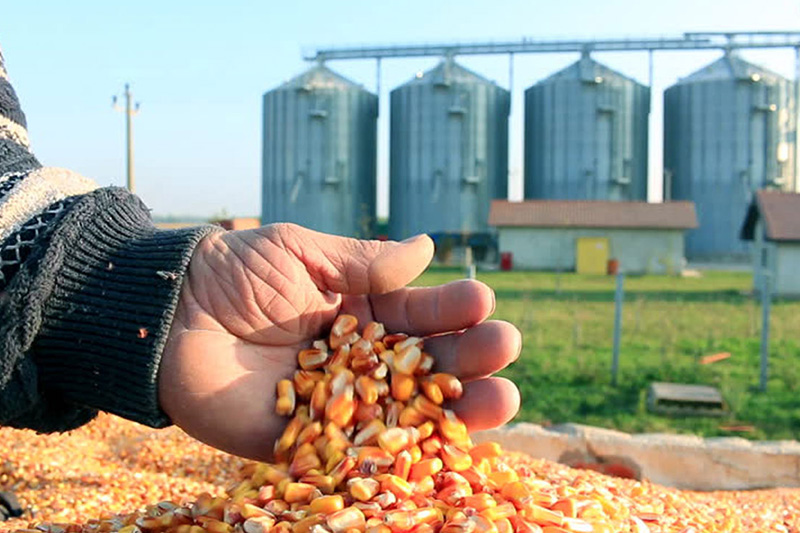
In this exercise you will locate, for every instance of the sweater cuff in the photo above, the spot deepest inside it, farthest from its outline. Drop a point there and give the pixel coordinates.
(113, 298)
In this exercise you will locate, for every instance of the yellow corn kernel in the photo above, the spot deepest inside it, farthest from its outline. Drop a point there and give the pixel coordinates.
(370, 433)
(499, 478)
(365, 413)
(449, 385)
(365, 364)
(399, 520)
(340, 359)
(504, 526)
(372, 455)
(498, 512)
(486, 450)
(289, 436)
(363, 489)
(428, 515)
(374, 331)
(393, 411)
(393, 440)
(309, 433)
(327, 504)
(416, 454)
(517, 492)
(567, 506)
(361, 348)
(319, 399)
(304, 382)
(402, 465)
(427, 407)
(380, 372)
(341, 407)
(425, 366)
(407, 360)
(284, 406)
(425, 468)
(325, 483)
(397, 486)
(432, 445)
(340, 380)
(305, 459)
(367, 389)
(432, 391)
(298, 492)
(411, 417)
(455, 459)
(350, 518)
(340, 471)
(424, 486)
(482, 525)
(344, 325)
(312, 358)
(426, 430)
(451, 427)
(258, 524)
(540, 515)
(407, 342)
(480, 501)
(402, 387)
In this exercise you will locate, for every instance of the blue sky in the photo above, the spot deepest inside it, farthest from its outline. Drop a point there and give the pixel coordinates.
(199, 69)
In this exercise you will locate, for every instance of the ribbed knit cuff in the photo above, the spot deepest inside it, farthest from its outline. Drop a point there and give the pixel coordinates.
(113, 298)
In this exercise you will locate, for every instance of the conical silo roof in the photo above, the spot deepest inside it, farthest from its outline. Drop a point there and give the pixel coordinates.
(320, 77)
(587, 69)
(447, 72)
(731, 67)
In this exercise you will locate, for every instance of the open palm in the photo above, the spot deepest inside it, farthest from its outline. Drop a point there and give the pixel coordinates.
(252, 299)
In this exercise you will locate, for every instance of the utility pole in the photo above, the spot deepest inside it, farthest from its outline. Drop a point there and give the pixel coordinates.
(129, 111)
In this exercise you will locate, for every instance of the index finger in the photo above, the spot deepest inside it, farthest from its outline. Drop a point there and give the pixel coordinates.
(422, 311)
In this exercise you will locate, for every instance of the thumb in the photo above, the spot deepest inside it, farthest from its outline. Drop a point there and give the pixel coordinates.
(354, 266)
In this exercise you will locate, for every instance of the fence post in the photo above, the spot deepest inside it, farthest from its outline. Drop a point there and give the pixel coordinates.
(618, 298)
(766, 300)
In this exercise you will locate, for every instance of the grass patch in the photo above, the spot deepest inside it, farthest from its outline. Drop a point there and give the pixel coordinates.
(669, 323)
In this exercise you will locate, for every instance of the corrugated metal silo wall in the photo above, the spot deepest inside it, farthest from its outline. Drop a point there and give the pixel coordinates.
(448, 157)
(319, 159)
(720, 145)
(585, 140)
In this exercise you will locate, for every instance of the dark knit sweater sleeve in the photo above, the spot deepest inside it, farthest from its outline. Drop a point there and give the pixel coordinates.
(90, 313)
(88, 290)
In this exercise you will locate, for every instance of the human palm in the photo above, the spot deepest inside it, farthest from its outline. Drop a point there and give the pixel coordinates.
(252, 299)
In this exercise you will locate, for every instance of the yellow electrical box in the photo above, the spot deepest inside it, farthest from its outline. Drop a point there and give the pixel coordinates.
(591, 255)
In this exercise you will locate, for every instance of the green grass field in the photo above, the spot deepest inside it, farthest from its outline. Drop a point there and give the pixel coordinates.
(669, 323)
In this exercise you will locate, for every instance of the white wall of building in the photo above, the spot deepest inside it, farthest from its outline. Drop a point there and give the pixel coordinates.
(780, 259)
(638, 251)
(787, 281)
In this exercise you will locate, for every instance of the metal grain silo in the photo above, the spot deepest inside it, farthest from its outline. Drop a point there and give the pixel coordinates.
(586, 135)
(728, 131)
(319, 154)
(448, 152)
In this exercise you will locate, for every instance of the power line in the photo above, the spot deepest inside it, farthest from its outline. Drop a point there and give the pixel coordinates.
(129, 111)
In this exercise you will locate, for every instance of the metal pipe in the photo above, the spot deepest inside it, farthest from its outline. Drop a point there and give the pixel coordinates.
(766, 300)
(618, 299)
(692, 41)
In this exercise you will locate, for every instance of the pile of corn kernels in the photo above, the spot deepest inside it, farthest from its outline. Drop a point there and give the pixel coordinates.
(370, 447)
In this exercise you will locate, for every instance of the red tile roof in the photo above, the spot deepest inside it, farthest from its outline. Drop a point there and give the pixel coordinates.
(593, 214)
(781, 212)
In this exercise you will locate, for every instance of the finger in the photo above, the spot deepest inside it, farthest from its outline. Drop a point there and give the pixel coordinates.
(429, 310)
(477, 352)
(487, 403)
(353, 266)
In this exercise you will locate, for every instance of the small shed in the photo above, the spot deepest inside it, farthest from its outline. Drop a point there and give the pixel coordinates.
(585, 236)
(773, 224)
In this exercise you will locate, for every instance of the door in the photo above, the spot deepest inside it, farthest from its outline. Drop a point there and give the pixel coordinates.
(591, 255)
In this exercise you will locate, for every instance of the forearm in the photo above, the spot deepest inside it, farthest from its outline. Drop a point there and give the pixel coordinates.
(88, 287)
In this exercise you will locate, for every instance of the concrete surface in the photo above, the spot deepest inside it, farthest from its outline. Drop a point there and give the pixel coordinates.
(681, 461)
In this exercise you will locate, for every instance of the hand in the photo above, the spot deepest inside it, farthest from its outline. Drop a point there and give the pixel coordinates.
(252, 299)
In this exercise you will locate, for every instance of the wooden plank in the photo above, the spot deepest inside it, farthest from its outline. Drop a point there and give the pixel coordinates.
(683, 399)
